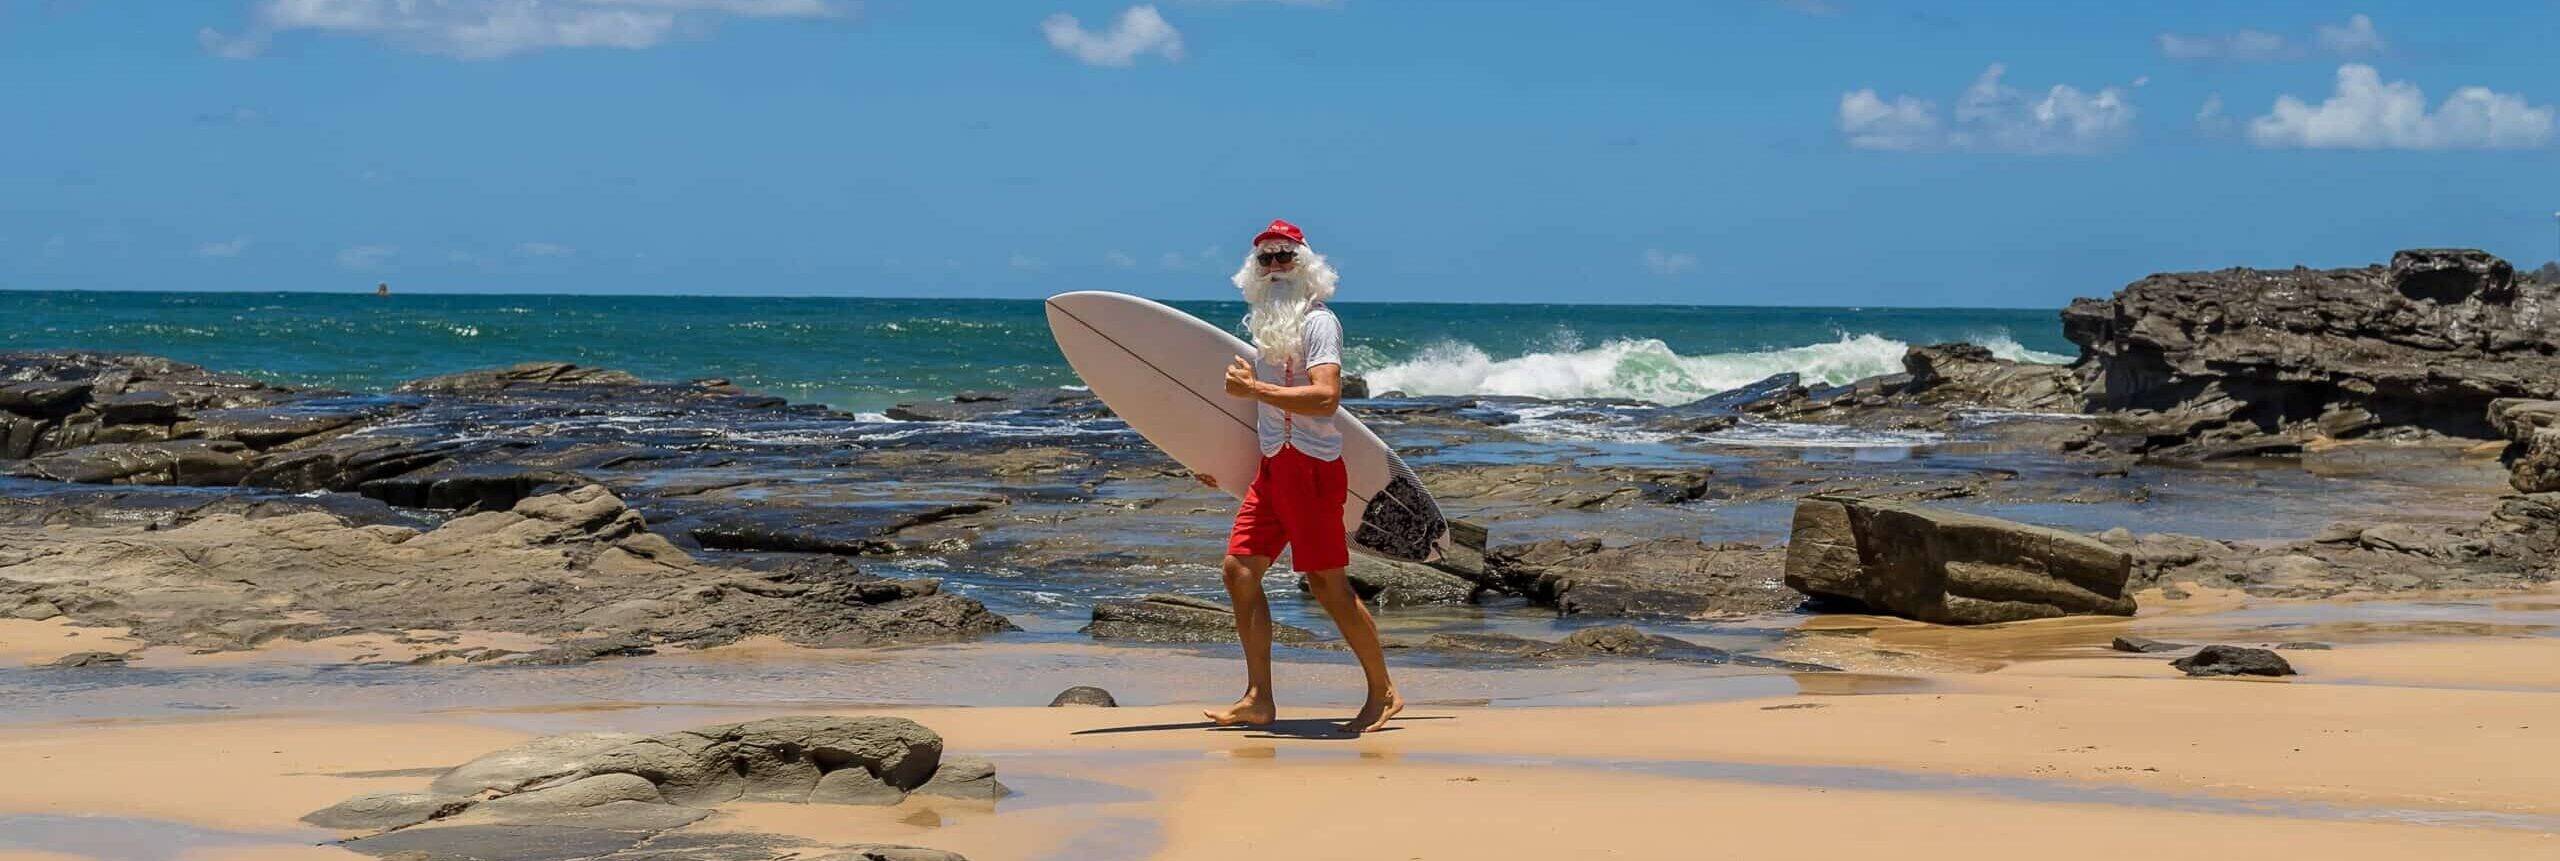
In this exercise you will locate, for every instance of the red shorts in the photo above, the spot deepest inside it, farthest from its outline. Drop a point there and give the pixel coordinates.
(1295, 502)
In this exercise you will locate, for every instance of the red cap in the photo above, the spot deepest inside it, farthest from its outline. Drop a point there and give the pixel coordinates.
(1281, 230)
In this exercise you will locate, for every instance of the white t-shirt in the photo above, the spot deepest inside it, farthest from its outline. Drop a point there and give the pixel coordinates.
(1312, 436)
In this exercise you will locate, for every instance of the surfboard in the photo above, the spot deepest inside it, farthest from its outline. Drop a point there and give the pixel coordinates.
(1164, 373)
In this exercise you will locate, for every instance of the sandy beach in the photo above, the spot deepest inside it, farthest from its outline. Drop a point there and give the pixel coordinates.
(2410, 747)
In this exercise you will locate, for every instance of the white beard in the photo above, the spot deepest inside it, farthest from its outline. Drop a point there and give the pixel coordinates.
(1278, 303)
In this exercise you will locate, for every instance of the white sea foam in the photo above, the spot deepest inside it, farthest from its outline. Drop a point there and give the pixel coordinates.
(1649, 370)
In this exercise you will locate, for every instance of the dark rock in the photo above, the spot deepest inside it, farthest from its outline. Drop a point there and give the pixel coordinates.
(43, 398)
(2450, 275)
(525, 374)
(383, 811)
(141, 407)
(1165, 618)
(1354, 388)
(985, 405)
(1402, 584)
(2302, 647)
(1950, 568)
(2138, 644)
(266, 427)
(483, 487)
(90, 659)
(2219, 357)
(2233, 661)
(1969, 374)
(1084, 695)
(2518, 418)
(182, 462)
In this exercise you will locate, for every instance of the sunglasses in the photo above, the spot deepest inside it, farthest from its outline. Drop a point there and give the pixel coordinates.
(1270, 257)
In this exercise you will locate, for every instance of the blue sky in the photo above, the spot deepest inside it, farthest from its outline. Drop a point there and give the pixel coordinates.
(1825, 152)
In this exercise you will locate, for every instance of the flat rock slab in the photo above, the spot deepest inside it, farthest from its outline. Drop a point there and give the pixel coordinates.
(501, 843)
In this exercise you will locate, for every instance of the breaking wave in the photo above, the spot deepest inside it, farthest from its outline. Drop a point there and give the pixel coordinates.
(1649, 370)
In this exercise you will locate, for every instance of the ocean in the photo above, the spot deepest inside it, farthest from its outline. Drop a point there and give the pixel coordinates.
(863, 355)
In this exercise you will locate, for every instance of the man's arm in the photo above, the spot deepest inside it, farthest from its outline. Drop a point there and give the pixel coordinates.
(1319, 398)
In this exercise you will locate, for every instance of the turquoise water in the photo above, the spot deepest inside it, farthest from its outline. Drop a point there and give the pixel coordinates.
(865, 354)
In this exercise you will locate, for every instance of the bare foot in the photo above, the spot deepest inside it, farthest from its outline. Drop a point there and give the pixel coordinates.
(1375, 714)
(1250, 711)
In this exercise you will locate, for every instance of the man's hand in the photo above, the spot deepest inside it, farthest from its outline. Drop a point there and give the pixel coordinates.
(1240, 378)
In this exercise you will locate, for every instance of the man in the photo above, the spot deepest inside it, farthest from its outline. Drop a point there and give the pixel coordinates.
(1297, 495)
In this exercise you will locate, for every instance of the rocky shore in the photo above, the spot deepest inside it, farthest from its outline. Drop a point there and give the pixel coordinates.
(611, 515)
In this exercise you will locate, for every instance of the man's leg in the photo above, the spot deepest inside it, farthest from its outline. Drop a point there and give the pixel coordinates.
(1333, 589)
(1253, 627)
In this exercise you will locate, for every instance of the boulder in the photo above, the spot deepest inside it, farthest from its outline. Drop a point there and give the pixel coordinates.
(2233, 661)
(1167, 618)
(778, 759)
(1084, 695)
(1969, 374)
(1950, 568)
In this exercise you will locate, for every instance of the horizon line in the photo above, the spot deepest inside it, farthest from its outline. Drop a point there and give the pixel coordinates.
(441, 293)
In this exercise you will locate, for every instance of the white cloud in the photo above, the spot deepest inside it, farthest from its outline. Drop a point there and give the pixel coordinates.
(223, 249)
(545, 249)
(2210, 117)
(1991, 116)
(2356, 37)
(1118, 260)
(1139, 31)
(484, 29)
(2243, 45)
(366, 256)
(1669, 263)
(1873, 123)
(2366, 113)
(1029, 264)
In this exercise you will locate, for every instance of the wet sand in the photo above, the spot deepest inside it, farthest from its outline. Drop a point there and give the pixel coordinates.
(2406, 748)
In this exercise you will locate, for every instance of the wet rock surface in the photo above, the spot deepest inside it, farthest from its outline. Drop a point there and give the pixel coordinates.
(1667, 578)
(1950, 568)
(1612, 641)
(595, 796)
(1164, 618)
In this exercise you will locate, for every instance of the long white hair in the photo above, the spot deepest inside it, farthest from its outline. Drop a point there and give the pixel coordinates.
(1277, 302)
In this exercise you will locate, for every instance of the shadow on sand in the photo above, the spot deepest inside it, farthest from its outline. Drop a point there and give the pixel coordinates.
(1314, 729)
